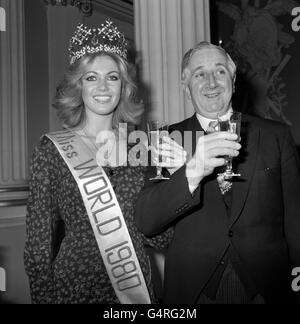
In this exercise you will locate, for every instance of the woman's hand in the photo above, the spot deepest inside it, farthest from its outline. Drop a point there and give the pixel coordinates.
(169, 155)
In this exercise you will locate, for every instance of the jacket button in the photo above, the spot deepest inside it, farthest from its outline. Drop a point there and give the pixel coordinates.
(222, 262)
(230, 233)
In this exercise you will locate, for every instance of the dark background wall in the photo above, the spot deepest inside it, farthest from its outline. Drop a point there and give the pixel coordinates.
(37, 73)
(259, 37)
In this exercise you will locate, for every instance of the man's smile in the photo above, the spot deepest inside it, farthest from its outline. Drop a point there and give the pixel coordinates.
(212, 95)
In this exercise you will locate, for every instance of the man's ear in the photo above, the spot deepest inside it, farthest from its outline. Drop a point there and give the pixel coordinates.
(184, 81)
(186, 90)
(233, 84)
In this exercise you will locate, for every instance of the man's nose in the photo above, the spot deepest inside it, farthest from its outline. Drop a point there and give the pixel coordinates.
(212, 80)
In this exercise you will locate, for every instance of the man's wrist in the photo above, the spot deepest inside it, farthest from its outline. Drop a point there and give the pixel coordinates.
(192, 175)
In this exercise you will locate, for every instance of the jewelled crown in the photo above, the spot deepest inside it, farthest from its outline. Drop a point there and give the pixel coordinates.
(106, 38)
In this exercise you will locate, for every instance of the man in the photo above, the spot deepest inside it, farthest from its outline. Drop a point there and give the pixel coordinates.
(241, 245)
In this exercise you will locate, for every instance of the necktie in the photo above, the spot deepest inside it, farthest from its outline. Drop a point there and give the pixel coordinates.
(212, 127)
(224, 185)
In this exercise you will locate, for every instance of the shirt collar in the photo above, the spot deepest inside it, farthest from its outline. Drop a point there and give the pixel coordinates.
(204, 122)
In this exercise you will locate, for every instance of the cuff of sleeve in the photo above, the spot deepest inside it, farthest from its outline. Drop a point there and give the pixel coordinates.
(192, 189)
(190, 192)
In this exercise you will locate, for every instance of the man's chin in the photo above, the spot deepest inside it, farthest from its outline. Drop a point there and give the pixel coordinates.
(214, 112)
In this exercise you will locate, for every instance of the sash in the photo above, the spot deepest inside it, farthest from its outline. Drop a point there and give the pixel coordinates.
(106, 218)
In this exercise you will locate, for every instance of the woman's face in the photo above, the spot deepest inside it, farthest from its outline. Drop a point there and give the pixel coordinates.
(101, 86)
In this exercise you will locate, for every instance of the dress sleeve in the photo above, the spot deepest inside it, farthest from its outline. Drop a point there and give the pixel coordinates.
(42, 213)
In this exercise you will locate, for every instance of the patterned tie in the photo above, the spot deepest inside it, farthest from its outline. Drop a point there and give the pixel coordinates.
(212, 127)
(224, 185)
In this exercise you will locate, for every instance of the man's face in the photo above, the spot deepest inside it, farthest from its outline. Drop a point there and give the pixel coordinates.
(209, 83)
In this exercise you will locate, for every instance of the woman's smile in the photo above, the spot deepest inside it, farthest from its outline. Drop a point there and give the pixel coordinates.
(102, 99)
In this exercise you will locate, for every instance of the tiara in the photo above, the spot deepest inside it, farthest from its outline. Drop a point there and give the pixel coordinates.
(106, 38)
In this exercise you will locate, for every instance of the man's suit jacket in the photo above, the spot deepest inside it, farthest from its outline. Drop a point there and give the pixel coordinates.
(264, 223)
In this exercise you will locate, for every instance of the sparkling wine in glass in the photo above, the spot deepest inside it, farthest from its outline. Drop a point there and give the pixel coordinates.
(232, 124)
(156, 130)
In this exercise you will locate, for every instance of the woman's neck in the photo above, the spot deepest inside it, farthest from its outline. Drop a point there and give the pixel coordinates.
(95, 124)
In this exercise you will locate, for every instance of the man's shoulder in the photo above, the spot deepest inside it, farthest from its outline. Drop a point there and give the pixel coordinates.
(185, 124)
(265, 125)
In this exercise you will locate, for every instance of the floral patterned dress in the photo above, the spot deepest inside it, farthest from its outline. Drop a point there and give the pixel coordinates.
(62, 259)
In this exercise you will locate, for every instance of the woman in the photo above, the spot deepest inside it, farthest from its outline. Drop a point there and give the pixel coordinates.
(82, 243)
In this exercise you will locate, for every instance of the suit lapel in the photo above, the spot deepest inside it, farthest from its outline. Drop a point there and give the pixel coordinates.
(245, 165)
(194, 125)
(213, 201)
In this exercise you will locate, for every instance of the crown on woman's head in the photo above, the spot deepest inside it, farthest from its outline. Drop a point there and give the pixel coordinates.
(106, 38)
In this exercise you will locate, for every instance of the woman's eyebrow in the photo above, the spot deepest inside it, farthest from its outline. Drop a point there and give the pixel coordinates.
(87, 72)
(109, 72)
(113, 72)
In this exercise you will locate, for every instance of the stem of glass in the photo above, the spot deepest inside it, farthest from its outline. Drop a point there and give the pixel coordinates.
(159, 171)
(229, 164)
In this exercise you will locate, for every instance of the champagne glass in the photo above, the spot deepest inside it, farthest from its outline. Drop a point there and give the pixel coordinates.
(230, 123)
(156, 130)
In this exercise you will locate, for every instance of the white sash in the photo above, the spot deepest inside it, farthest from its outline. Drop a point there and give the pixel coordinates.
(106, 218)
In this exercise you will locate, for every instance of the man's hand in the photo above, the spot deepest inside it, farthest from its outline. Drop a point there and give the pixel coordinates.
(172, 154)
(208, 155)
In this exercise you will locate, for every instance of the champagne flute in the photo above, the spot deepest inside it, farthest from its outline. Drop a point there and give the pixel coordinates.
(230, 123)
(156, 130)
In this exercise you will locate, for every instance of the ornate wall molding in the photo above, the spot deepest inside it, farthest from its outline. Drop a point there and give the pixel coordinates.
(121, 8)
(261, 46)
(14, 196)
(12, 221)
(12, 217)
(85, 6)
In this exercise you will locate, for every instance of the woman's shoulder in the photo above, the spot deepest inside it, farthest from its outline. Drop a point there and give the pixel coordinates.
(45, 155)
(47, 141)
(44, 146)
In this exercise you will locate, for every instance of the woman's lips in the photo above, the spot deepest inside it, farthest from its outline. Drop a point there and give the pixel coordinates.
(102, 99)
